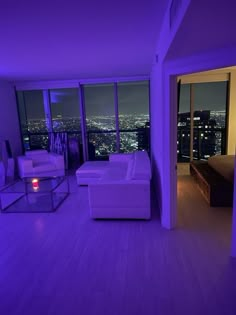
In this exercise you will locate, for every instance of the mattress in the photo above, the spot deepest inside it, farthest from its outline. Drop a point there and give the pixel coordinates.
(224, 165)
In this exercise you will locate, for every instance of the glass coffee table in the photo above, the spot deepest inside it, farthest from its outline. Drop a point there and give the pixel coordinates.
(34, 194)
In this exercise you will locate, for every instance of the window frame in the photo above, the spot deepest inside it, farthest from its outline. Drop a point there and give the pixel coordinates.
(46, 86)
(203, 78)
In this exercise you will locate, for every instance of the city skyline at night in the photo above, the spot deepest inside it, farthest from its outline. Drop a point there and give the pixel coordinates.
(100, 113)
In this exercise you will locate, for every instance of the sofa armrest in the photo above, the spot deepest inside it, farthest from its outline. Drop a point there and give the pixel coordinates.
(120, 157)
(25, 165)
(57, 160)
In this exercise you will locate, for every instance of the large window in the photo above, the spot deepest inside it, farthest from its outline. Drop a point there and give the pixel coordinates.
(183, 137)
(208, 124)
(133, 105)
(111, 117)
(65, 115)
(65, 110)
(32, 117)
(210, 100)
(100, 120)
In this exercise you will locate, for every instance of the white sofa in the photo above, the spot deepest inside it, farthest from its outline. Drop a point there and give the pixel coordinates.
(123, 189)
(90, 172)
(40, 163)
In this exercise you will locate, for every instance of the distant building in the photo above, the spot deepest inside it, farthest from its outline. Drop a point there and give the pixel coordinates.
(134, 133)
(143, 137)
(204, 139)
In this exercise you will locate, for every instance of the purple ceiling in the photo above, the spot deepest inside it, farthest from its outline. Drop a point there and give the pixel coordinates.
(208, 25)
(78, 39)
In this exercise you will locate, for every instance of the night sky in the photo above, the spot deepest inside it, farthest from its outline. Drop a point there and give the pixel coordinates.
(133, 99)
(207, 96)
(99, 100)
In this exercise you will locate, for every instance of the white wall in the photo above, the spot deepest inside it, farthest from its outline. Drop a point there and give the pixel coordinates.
(162, 92)
(164, 127)
(224, 74)
(9, 124)
(232, 115)
(156, 112)
(234, 216)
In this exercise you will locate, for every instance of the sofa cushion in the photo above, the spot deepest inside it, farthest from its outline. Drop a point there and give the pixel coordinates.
(91, 167)
(115, 171)
(43, 166)
(141, 167)
(120, 157)
(35, 152)
(88, 175)
(38, 156)
(91, 171)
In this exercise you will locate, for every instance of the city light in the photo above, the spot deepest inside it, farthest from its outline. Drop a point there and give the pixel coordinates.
(209, 130)
(100, 129)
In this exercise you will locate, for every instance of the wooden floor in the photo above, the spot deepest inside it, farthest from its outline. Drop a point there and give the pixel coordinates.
(66, 263)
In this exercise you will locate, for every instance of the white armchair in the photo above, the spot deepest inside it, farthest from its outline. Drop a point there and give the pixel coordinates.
(40, 163)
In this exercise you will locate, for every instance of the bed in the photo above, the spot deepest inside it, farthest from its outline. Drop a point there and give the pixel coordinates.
(224, 165)
(215, 179)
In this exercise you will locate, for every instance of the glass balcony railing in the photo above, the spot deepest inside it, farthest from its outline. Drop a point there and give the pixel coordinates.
(100, 142)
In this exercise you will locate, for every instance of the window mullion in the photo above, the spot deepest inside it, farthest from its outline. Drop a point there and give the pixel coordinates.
(117, 117)
(47, 110)
(83, 123)
(191, 121)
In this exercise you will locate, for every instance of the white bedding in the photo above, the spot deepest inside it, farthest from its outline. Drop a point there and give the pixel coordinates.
(224, 165)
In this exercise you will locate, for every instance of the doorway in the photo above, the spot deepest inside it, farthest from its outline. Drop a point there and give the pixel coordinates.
(203, 119)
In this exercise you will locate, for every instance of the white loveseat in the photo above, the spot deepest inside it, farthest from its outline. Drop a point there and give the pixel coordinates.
(123, 188)
(40, 163)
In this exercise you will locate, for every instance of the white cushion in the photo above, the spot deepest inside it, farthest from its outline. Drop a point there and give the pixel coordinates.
(96, 167)
(43, 167)
(35, 152)
(115, 171)
(91, 171)
(38, 156)
(88, 175)
(120, 157)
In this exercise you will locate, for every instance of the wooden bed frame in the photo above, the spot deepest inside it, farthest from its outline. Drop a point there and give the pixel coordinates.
(217, 191)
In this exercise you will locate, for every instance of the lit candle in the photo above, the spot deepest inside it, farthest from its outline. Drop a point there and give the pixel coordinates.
(35, 184)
